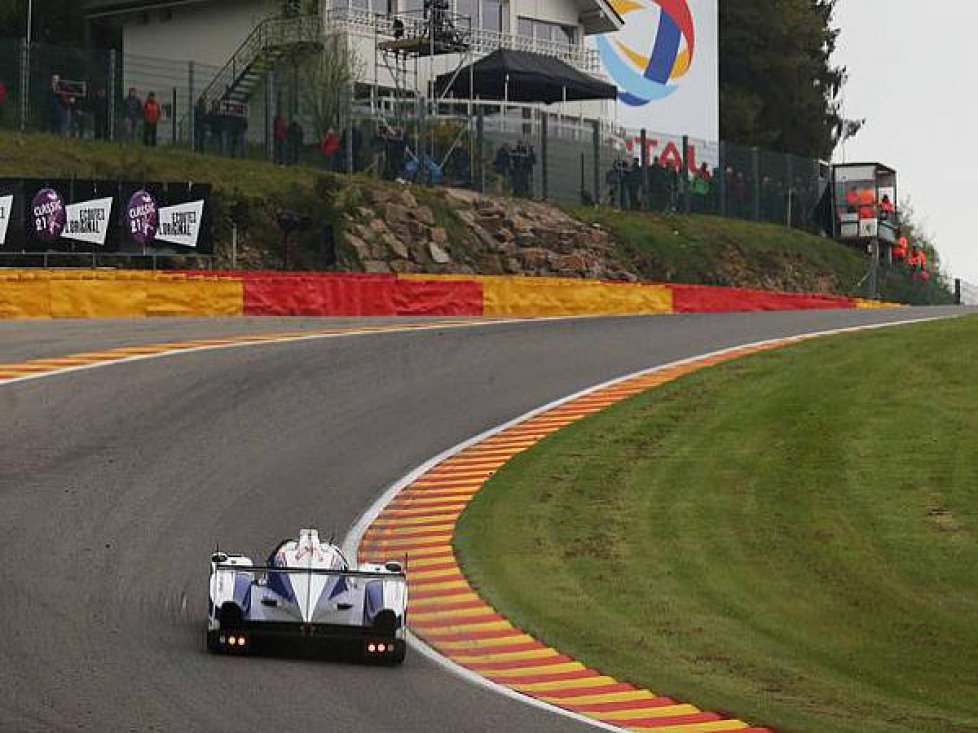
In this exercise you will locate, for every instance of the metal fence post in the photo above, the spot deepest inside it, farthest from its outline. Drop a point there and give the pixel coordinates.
(646, 192)
(543, 154)
(112, 94)
(596, 144)
(755, 158)
(25, 81)
(191, 109)
(957, 291)
(722, 174)
(173, 118)
(270, 114)
(480, 144)
(684, 178)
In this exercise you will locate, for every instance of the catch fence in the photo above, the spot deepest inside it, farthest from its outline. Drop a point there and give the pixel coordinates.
(513, 149)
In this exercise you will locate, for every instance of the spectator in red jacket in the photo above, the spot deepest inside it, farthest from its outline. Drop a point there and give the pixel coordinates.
(329, 145)
(151, 118)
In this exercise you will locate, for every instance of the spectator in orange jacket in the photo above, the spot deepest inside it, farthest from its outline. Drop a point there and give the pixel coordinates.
(151, 118)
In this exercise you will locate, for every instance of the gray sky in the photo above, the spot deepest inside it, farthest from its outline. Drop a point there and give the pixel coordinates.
(914, 77)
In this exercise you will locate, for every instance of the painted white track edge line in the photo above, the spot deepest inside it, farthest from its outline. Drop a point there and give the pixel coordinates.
(351, 542)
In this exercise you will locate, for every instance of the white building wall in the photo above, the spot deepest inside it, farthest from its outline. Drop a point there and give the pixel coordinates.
(207, 33)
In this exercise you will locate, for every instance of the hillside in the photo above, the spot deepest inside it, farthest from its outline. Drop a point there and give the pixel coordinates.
(385, 227)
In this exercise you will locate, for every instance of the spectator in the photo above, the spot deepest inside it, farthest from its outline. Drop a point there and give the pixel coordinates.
(700, 189)
(328, 147)
(658, 185)
(280, 137)
(295, 139)
(100, 112)
(634, 183)
(132, 110)
(201, 123)
(502, 165)
(151, 118)
(57, 112)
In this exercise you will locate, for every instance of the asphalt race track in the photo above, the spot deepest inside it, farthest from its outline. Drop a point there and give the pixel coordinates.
(116, 483)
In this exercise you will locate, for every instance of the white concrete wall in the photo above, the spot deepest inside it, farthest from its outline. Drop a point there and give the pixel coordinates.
(206, 33)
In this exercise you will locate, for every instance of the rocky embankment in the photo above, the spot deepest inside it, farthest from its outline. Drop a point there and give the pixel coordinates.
(459, 231)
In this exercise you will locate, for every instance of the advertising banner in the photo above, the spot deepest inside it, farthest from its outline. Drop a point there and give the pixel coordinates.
(665, 62)
(104, 216)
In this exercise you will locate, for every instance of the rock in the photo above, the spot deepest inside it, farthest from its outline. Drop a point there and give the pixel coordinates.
(462, 196)
(376, 266)
(534, 258)
(365, 213)
(504, 236)
(407, 199)
(401, 266)
(395, 212)
(397, 246)
(424, 214)
(359, 246)
(378, 195)
(439, 255)
(439, 236)
(378, 225)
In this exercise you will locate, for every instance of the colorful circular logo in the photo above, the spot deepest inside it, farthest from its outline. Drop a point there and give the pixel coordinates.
(662, 29)
(142, 217)
(49, 213)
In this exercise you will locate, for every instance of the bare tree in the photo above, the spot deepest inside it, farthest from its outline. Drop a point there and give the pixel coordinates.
(326, 78)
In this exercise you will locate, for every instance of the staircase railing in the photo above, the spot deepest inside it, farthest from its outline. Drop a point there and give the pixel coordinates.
(269, 34)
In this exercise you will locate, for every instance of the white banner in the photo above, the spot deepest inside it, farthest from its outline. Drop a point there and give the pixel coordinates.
(180, 224)
(665, 62)
(88, 221)
(6, 203)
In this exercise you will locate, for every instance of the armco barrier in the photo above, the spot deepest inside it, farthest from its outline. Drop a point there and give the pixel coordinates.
(128, 294)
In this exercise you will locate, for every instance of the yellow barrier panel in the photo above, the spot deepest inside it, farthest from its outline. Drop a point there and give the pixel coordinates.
(861, 303)
(545, 296)
(190, 297)
(521, 296)
(96, 298)
(24, 299)
(94, 294)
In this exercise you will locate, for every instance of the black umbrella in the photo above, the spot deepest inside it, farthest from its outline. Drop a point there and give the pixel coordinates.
(521, 76)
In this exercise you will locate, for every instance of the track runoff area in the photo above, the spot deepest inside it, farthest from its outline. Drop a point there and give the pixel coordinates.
(419, 517)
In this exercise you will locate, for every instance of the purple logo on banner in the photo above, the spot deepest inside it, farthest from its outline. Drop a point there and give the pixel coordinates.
(143, 217)
(49, 214)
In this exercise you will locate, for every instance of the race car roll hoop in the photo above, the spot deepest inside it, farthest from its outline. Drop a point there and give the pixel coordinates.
(307, 597)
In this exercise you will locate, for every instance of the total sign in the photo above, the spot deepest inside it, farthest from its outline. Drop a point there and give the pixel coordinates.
(665, 62)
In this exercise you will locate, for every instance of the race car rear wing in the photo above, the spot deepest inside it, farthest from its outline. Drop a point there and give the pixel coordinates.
(390, 574)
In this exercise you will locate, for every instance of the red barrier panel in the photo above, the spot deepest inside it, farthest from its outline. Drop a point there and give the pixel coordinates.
(711, 299)
(438, 298)
(318, 296)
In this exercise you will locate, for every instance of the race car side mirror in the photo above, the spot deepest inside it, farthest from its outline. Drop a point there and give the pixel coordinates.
(394, 567)
(219, 557)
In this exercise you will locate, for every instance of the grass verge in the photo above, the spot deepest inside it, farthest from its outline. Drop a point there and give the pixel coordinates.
(789, 537)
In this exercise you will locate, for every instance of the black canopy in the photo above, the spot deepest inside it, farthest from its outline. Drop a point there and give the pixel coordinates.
(521, 76)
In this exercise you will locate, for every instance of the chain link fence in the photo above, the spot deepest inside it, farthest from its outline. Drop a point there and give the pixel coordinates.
(512, 149)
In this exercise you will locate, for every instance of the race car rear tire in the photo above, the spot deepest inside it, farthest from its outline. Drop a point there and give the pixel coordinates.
(213, 645)
(400, 651)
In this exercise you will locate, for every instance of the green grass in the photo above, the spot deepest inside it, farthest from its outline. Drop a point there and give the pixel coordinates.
(789, 537)
(712, 250)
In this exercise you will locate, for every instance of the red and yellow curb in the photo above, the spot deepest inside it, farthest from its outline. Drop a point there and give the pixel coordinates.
(52, 365)
(449, 615)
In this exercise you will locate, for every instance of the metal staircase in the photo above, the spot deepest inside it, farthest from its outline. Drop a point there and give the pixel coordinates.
(269, 43)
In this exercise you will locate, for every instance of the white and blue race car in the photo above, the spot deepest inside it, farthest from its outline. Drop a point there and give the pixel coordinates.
(307, 593)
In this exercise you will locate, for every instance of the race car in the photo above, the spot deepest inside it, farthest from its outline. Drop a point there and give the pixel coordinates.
(307, 595)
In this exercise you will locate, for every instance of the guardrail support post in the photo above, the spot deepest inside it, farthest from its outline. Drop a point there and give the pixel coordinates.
(25, 81)
(112, 93)
(755, 161)
(722, 175)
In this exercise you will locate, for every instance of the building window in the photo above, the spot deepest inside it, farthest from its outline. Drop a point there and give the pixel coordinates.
(468, 9)
(544, 32)
(415, 7)
(493, 16)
